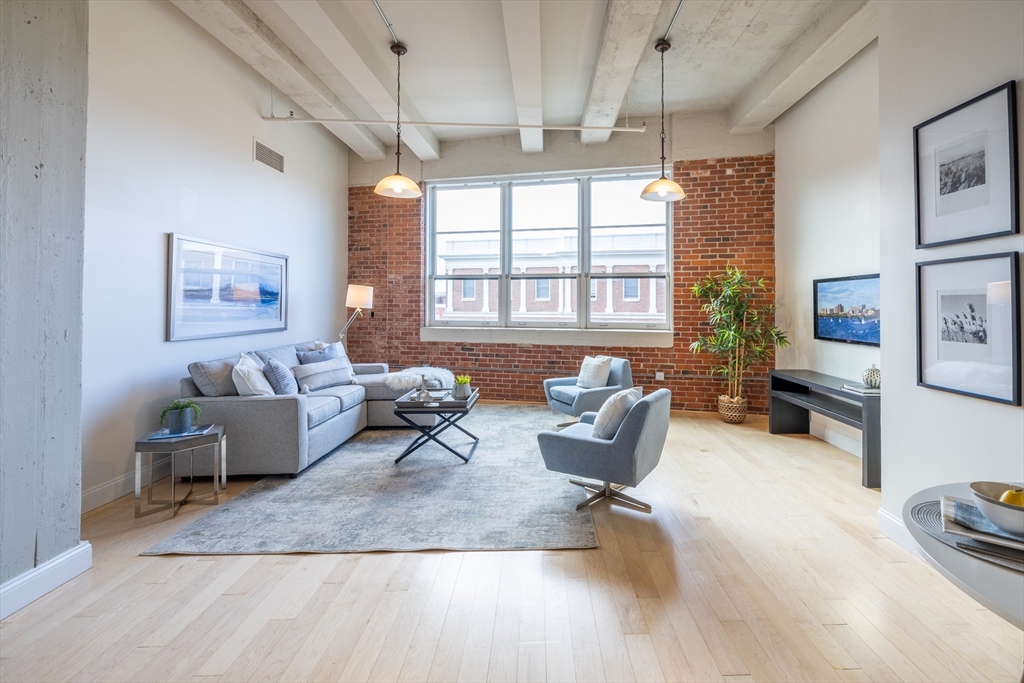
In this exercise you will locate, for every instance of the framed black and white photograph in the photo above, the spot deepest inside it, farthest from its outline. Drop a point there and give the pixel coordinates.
(968, 328)
(220, 290)
(966, 171)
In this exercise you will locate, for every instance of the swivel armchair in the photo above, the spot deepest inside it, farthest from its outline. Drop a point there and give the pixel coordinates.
(564, 396)
(624, 460)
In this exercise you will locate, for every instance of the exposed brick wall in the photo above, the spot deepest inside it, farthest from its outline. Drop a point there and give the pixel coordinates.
(727, 218)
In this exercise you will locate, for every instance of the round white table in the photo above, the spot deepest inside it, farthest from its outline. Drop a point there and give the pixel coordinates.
(997, 588)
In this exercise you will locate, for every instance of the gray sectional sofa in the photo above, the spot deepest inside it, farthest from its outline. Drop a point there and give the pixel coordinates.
(286, 434)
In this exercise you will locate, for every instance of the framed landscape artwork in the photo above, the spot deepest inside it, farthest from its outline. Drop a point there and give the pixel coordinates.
(846, 309)
(968, 328)
(218, 290)
(965, 170)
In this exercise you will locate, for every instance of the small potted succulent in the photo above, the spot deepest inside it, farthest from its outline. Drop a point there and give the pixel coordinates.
(179, 415)
(462, 388)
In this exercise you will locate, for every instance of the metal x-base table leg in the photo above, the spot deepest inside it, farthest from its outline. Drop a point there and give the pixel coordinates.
(431, 433)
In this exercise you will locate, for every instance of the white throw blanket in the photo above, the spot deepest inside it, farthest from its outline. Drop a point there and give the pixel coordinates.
(410, 378)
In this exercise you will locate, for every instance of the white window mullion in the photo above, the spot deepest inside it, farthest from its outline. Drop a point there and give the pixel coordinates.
(583, 269)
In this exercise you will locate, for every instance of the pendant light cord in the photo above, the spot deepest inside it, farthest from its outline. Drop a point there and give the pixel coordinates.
(662, 114)
(398, 118)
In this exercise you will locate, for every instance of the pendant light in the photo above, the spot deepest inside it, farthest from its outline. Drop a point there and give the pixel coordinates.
(398, 185)
(662, 189)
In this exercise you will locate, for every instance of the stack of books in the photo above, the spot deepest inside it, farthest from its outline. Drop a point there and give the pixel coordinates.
(862, 389)
(962, 518)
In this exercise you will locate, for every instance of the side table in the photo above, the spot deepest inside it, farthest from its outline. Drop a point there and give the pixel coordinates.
(215, 437)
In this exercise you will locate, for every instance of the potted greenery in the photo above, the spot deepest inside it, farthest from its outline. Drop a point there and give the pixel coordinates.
(742, 336)
(179, 415)
(462, 389)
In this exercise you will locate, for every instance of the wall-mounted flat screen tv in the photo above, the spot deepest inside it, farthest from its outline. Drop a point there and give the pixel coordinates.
(846, 309)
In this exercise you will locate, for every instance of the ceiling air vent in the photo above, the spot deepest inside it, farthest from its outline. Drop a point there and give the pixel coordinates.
(265, 155)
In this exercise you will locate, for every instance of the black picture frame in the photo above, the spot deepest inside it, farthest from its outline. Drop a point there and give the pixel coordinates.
(816, 313)
(1013, 333)
(964, 213)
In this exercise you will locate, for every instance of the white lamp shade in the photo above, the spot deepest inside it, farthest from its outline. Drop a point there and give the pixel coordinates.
(359, 296)
(998, 293)
(398, 186)
(663, 190)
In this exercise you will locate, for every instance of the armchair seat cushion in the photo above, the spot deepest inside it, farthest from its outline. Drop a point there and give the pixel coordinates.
(320, 409)
(565, 394)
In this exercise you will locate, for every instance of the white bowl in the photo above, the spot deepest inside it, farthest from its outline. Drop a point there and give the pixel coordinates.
(1005, 516)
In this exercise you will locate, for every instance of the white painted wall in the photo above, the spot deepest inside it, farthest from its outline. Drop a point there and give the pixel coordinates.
(934, 55)
(826, 218)
(172, 114)
(701, 135)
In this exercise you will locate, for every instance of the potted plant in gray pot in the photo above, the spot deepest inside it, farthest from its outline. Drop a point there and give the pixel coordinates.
(741, 336)
(179, 415)
(462, 389)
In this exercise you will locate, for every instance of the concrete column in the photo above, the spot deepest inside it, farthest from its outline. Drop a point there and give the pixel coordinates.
(43, 99)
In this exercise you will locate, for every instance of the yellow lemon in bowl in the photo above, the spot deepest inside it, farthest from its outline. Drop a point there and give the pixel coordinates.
(1013, 497)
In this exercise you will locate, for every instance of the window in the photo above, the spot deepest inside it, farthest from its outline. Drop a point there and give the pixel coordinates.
(543, 290)
(548, 253)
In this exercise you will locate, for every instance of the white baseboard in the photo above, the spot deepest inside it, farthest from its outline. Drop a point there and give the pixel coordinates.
(826, 430)
(35, 583)
(101, 494)
(893, 527)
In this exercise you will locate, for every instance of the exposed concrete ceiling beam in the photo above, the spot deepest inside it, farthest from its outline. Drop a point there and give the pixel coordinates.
(234, 24)
(522, 35)
(842, 30)
(337, 35)
(625, 36)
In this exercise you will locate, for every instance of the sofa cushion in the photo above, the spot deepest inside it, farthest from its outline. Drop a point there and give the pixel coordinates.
(249, 378)
(326, 353)
(350, 395)
(285, 355)
(376, 390)
(306, 346)
(320, 409)
(213, 377)
(280, 377)
(339, 348)
(565, 393)
(328, 373)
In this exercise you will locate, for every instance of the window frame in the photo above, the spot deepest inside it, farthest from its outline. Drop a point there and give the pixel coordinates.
(506, 279)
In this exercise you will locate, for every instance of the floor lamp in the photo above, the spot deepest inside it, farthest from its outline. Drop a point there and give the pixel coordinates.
(358, 297)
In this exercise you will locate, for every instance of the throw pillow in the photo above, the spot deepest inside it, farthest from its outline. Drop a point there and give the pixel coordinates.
(280, 377)
(594, 372)
(328, 373)
(326, 353)
(213, 377)
(249, 378)
(320, 346)
(613, 412)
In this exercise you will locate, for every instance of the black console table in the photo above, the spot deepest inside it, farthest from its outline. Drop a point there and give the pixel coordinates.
(794, 394)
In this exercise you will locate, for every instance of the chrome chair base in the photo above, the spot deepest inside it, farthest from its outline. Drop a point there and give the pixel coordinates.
(608, 490)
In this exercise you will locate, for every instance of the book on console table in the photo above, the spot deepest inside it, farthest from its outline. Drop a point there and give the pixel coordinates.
(962, 518)
(198, 430)
(862, 389)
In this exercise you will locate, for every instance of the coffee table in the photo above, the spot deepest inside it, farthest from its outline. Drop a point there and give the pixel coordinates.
(448, 412)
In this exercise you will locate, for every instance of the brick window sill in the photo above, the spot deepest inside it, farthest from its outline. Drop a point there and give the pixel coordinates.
(549, 337)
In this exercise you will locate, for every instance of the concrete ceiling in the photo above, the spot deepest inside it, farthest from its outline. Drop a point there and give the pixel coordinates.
(476, 61)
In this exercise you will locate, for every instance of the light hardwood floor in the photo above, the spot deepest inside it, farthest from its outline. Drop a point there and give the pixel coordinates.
(761, 562)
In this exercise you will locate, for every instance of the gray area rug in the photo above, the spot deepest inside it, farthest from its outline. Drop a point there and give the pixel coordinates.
(358, 500)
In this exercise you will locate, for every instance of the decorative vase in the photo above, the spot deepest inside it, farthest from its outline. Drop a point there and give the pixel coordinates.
(462, 391)
(872, 377)
(424, 394)
(179, 421)
(733, 413)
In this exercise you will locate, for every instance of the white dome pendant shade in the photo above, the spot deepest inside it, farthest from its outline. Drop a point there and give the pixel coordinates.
(397, 185)
(663, 189)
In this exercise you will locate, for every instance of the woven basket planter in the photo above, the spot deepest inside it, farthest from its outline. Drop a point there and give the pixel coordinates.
(733, 413)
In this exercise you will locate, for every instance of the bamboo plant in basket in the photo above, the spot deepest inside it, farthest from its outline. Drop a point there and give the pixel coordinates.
(742, 333)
